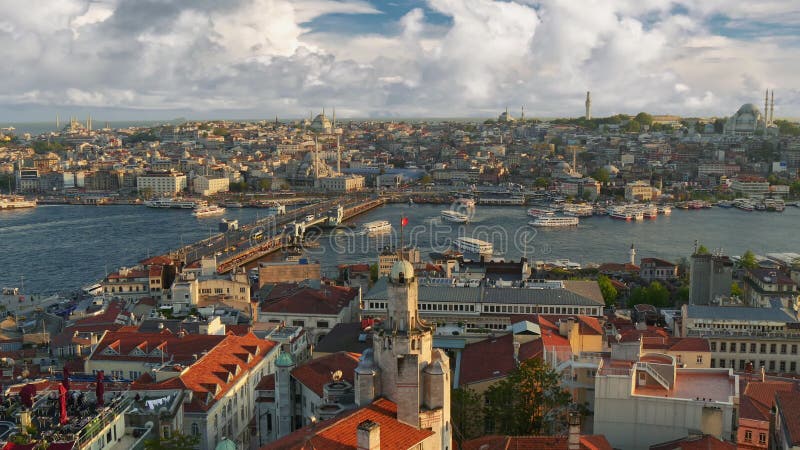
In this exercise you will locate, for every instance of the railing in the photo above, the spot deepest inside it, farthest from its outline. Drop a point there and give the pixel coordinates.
(653, 373)
(139, 444)
(744, 334)
(99, 423)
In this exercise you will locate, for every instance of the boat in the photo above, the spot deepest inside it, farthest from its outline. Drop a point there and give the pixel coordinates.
(649, 211)
(540, 212)
(555, 221)
(376, 227)
(665, 210)
(760, 206)
(208, 211)
(233, 205)
(578, 209)
(473, 245)
(464, 202)
(620, 213)
(166, 202)
(410, 202)
(454, 216)
(93, 289)
(697, 204)
(276, 209)
(725, 204)
(16, 202)
(638, 214)
(744, 205)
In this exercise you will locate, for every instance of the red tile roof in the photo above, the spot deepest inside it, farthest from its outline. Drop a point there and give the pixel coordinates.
(494, 442)
(210, 377)
(475, 367)
(759, 396)
(674, 344)
(328, 300)
(316, 373)
(705, 442)
(160, 260)
(789, 403)
(658, 262)
(180, 349)
(340, 433)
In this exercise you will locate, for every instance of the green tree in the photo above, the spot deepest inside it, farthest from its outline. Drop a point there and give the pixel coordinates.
(264, 184)
(608, 290)
(177, 441)
(7, 182)
(655, 294)
(42, 147)
(633, 127)
(374, 272)
(240, 186)
(530, 400)
(601, 174)
(220, 132)
(719, 126)
(748, 260)
(702, 250)
(542, 182)
(466, 410)
(644, 119)
(795, 188)
(736, 291)
(426, 179)
(682, 294)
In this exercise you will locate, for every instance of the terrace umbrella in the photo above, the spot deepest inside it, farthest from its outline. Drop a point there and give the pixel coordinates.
(26, 394)
(100, 389)
(62, 396)
(65, 381)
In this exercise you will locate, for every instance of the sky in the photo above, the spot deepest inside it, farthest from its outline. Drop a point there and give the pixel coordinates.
(252, 59)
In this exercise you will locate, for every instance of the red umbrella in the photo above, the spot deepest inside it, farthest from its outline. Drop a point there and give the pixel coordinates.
(99, 389)
(26, 395)
(65, 381)
(62, 394)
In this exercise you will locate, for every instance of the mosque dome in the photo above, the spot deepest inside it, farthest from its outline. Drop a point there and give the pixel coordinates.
(321, 123)
(749, 108)
(225, 444)
(284, 360)
(746, 120)
(612, 169)
(401, 268)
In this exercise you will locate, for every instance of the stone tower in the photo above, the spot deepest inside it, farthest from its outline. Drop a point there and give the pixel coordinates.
(284, 397)
(632, 255)
(588, 105)
(403, 366)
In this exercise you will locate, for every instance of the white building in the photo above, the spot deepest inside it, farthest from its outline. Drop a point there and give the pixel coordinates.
(342, 183)
(167, 183)
(206, 186)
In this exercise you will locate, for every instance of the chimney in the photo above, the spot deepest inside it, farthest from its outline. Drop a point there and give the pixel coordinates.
(368, 435)
(574, 439)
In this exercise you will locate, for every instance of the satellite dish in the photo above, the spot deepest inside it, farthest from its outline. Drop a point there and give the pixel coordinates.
(337, 376)
(618, 337)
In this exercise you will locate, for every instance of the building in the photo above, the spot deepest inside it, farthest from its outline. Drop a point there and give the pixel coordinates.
(206, 186)
(755, 412)
(787, 421)
(763, 337)
(387, 258)
(658, 269)
(699, 442)
(746, 121)
(200, 285)
(220, 386)
(342, 183)
(132, 283)
(770, 287)
(750, 186)
(161, 183)
(641, 191)
(402, 386)
(710, 279)
(650, 399)
(288, 272)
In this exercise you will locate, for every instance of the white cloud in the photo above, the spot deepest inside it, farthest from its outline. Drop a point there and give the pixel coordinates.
(258, 58)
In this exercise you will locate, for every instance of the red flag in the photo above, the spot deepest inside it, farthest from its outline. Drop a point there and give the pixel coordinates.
(62, 392)
(404, 221)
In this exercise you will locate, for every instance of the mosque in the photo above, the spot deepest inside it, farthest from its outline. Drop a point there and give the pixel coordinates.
(748, 120)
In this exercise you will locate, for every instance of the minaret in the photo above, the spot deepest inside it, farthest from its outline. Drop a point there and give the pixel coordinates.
(58, 122)
(522, 114)
(632, 253)
(338, 156)
(766, 111)
(772, 108)
(333, 126)
(588, 105)
(316, 161)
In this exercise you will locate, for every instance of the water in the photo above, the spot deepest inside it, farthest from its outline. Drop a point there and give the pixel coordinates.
(64, 247)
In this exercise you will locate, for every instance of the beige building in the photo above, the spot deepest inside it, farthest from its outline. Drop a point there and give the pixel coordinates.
(195, 285)
(640, 191)
(287, 272)
(206, 186)
(166, 183)
(342, 183)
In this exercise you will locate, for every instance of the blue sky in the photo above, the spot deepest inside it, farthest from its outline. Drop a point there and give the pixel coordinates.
(159, 59)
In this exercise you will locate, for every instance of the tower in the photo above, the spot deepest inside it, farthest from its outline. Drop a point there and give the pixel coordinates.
(772, 108)
(316, 161)
(284, 398)
(522, 114)
(632, 255)
(766, 111)
(338, 155)
(333, 125)
(588, 105)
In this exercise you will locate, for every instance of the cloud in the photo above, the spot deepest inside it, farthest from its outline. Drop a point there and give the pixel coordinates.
(259, 58)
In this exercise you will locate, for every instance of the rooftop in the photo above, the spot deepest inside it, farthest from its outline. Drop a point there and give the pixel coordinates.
(713, 385)
(739, 313)
(316, 373)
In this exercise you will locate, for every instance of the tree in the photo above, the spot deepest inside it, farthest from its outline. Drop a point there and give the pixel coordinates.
(601, 174)
(466, 410)
(542, 182)
(644, 119)
(748, 260)
(426, 179)
(264, 184)
(374, 272)
(220, 132)
(530, 400)
(702, 250)
(655, 294)
(7, 182)
(607, 289)
(736, 291)
(177, 441)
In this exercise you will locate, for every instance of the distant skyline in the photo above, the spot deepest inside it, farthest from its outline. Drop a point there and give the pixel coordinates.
(245, 59)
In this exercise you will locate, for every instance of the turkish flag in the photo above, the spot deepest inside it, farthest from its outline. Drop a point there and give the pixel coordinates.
(404, 221)
(62, 392)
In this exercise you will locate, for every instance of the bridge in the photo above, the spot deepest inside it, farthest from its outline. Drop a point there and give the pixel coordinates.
(256, 248)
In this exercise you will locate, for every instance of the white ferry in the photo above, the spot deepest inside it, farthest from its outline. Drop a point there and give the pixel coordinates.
(555, 221)
(650, 211)
(540, 212)
(16, 202)
(454, 216)
(665, 210)
(464, 203)
(208, 211)
(174, 203)
(578, 209)
(743, 204)
(376, 227)
(474, 245)
(620, 213)
(277, 209)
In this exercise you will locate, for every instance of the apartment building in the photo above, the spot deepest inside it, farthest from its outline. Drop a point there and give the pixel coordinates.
(161, 183)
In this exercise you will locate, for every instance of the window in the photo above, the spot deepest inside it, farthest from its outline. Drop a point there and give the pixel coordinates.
(723, 346)
(699, 359)
(772, 348)
(298, 323)
(782, 366)
(713, 363)
(763, 348)
(322, 324)
(742, 348)
(748, 436)
(741, 364)
(793, 366)
(196, 429)
(783, 349)
(722, 363)
(752, 348)
(165, 432)
(713, 346)
(772, 366)
(794, 349)
(762, 438)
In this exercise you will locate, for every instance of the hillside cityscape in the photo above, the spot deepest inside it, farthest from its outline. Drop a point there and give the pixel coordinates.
(521, 231)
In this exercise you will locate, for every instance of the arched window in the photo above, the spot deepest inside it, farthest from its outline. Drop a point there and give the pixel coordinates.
(195, 429)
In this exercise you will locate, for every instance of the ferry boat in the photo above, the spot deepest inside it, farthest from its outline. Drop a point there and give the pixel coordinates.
(725, 204)
(16, 202)
(276, 209)
(638, 214)
(464, 202)
(620, 213)
(697, 204)
(744, 205)
(650, 212)
(208, 211)
(376, 227)
(167, 202)
(540, 212)
(472, 245)
(665, 210)
(578, 209)
(554, 221)
(233, 205)
(454, 216)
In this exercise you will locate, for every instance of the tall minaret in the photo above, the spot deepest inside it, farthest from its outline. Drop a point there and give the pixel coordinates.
(58, 122)
(316, 161)
(333, 125)
(766, 111)
(588, 105)
(772, 108)
(632, 254)
(338, 157)
(522, 115)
